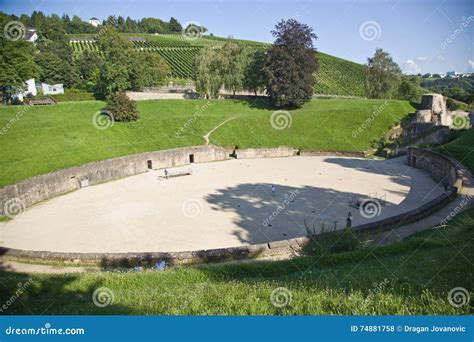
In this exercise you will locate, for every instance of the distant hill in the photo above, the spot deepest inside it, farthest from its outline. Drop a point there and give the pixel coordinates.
(336, 76)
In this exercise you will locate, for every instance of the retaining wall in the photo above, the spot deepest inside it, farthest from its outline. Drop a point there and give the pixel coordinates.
(443, 169)
(52, 184)
(248, 153)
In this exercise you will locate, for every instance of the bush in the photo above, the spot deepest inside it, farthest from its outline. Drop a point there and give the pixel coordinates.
(331, 241)
(451, 105)
(74, 95)
(122, 108)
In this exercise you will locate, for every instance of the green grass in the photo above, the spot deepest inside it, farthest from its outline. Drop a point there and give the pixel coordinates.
(462, 149)
(49, 138)
(412, 277)
(338, 76)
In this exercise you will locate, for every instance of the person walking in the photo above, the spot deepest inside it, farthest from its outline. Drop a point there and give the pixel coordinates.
(273, 190)
(166, 173)
(349, 220)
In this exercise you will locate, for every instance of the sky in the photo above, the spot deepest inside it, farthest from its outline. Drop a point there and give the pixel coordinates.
(421, 35)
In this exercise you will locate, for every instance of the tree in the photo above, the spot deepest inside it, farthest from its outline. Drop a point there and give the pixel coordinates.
(56, 70)
(17, 64)
(207, 72)
(174, 25)
(291, 63)
(382, 76)
(234, 61)
(408, 89)
(122, 108)
(148, 70)
(254, 78)
(123, 68)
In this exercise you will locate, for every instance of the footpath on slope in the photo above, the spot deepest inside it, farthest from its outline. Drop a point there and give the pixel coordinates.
(208, 134)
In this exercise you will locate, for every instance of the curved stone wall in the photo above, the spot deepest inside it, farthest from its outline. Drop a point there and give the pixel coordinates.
(441, 168)
(40, 188)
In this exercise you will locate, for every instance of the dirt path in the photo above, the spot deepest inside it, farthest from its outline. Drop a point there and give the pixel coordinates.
(206, 137)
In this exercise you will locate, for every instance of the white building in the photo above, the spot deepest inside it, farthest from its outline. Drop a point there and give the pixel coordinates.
(94, 21)
(52, 89)
(30, 35)
(30, 87)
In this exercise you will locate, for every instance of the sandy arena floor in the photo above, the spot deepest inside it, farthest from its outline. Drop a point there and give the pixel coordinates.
(222, 204)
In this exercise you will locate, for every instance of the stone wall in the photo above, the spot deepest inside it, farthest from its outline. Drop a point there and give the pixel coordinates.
(265, 152)
(52, 184)
(440, 167)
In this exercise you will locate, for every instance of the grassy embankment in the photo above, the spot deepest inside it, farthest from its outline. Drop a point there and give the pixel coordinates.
(44, 139)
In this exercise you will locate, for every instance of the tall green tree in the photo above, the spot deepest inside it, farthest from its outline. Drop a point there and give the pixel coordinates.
(254, 77)
(208, 72)
(17, 63)
(382, 76)
(148, 70)
(234, 59)
(174, 25)
(125, 69)
(291, 64)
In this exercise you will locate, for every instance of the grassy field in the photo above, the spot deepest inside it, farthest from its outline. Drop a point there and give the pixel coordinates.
(407, 278)
(37, 140)
(461, 149)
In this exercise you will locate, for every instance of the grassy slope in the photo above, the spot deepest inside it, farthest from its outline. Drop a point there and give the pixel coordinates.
(410, 277)
(44, 139)
(338, 76)
(461, 149)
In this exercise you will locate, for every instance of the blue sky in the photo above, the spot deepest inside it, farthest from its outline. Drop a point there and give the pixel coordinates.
(422, 35)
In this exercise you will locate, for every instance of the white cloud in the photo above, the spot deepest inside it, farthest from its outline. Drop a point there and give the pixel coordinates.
(471, 63)
(422, 59)
(410, 67)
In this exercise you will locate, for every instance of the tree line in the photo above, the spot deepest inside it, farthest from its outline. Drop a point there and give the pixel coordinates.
(76, 25)
(118, 67)
(285, 70)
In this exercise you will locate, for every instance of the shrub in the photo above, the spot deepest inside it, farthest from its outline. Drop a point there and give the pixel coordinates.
(450, 104)
(122, 108)
(74, 95)
(331, 241)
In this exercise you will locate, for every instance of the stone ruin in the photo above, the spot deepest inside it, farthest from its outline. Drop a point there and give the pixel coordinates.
(433, 110)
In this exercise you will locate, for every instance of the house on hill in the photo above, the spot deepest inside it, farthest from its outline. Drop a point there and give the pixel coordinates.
(94, 21)
(30, 35)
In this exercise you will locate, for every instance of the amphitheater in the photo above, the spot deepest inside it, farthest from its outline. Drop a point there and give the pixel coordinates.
(223, 201)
